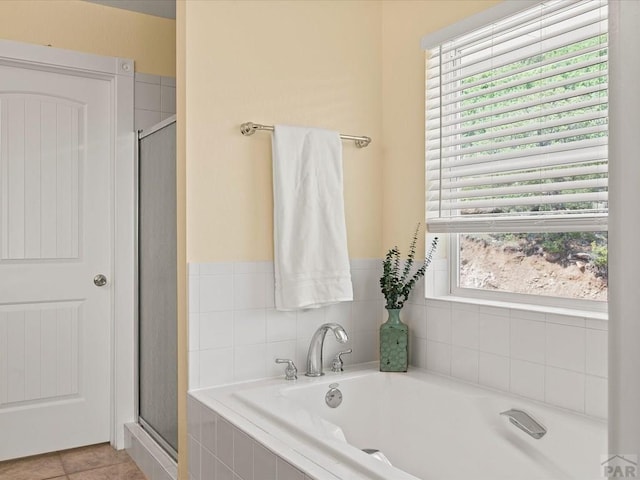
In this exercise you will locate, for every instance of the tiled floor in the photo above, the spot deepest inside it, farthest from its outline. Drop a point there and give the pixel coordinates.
(96, 462)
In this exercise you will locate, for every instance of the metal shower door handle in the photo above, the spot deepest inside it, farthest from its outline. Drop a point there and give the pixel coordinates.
(100, 280)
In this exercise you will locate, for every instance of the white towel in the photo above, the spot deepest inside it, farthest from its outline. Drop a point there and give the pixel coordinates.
(310, 235)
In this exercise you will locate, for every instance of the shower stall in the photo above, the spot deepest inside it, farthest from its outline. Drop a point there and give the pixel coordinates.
(157, 285)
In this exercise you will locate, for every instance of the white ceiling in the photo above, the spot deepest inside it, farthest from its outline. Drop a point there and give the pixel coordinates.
(159, 8)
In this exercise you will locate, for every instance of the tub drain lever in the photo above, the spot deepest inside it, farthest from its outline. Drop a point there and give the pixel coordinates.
(290, 372)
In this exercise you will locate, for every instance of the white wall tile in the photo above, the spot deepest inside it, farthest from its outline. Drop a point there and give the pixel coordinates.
(194, 412)
(242, 455)
(194, 294)
(439, 357)
(596, 396)
(417, 295)
(366, 284)
(168, 81)
(565, 388)
(565, 347)
(569, 320)
(216, 366)
(307, 322)
(365, 348)
(417, 351)
(527, 379)
(216, 330)
(249, 362)
(597, 324)
(264, 463)
(342, 314)
(269, 290)
(224, 442)
(194, 459)
(415, 316)
(494, 334)
(286, 471)
(438, 324)
(525, 314)
(249, 291)
(366, 316)
(143, 119)
(280, 325)
(147, 96)
(194, 331)
(208, 425)
(167, 99)
(464, 364)
(249, 326)
(527, 340)
(464, 327)
(216, 293)
(194, 369)
(223, 472)
(494, 371)
(208, 465)
(596, 352)
(240, 268)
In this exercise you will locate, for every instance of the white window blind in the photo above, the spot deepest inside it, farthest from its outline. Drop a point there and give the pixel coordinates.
(517, 123)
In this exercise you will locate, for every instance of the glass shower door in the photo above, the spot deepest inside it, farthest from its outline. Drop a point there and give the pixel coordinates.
(157, 285)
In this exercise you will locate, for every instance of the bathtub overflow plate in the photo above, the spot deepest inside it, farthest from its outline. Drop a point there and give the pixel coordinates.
(333, 396)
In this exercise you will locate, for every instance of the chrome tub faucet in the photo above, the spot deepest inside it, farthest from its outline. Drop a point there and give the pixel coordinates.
(314, 356)
(525, 422)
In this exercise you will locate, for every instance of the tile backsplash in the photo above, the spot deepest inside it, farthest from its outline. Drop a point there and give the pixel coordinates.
(235, 334)
(552, 358)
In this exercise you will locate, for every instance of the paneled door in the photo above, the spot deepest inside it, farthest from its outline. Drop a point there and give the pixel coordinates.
(55, 260)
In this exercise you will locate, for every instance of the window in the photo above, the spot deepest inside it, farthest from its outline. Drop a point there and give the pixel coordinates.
(516, 151)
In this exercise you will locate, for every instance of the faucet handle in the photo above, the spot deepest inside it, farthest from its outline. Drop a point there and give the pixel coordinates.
(337, 363)
(290, 372)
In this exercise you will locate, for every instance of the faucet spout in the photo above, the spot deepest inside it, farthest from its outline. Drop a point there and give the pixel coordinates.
(314, 356)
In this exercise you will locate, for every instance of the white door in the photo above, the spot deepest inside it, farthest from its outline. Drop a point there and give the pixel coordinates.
(55, 237)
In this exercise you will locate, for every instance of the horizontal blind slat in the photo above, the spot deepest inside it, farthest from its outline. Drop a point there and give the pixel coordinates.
(495, 192)
(502, 178)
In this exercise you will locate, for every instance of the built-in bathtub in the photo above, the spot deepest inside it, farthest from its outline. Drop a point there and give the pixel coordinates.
(428, 426)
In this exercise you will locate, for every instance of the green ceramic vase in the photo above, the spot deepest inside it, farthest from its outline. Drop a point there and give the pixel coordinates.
(394, 343)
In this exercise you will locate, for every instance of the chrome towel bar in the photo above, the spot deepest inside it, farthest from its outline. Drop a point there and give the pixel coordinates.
(249, 128)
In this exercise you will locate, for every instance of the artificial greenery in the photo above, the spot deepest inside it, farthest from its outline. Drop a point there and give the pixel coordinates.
(396, 284)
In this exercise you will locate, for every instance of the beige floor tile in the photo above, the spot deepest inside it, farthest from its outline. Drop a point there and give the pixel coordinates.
(37, 467)
(122, 471)
(93, 456)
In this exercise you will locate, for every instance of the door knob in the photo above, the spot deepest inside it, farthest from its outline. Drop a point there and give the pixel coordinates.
(100, 280)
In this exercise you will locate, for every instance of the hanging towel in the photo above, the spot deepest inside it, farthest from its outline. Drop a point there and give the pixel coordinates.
(310, 235)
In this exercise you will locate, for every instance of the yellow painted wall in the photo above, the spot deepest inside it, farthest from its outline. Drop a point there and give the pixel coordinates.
(404, 23)
(313, 63)
(88, 27)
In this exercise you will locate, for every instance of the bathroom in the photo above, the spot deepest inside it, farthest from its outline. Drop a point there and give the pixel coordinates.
(356, 67)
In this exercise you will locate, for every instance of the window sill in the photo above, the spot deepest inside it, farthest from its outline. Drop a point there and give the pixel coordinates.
(586, 314)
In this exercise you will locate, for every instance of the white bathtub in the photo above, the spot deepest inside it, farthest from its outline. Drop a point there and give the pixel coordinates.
(430, 427)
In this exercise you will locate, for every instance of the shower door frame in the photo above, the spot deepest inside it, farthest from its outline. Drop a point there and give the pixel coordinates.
(139, 135)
